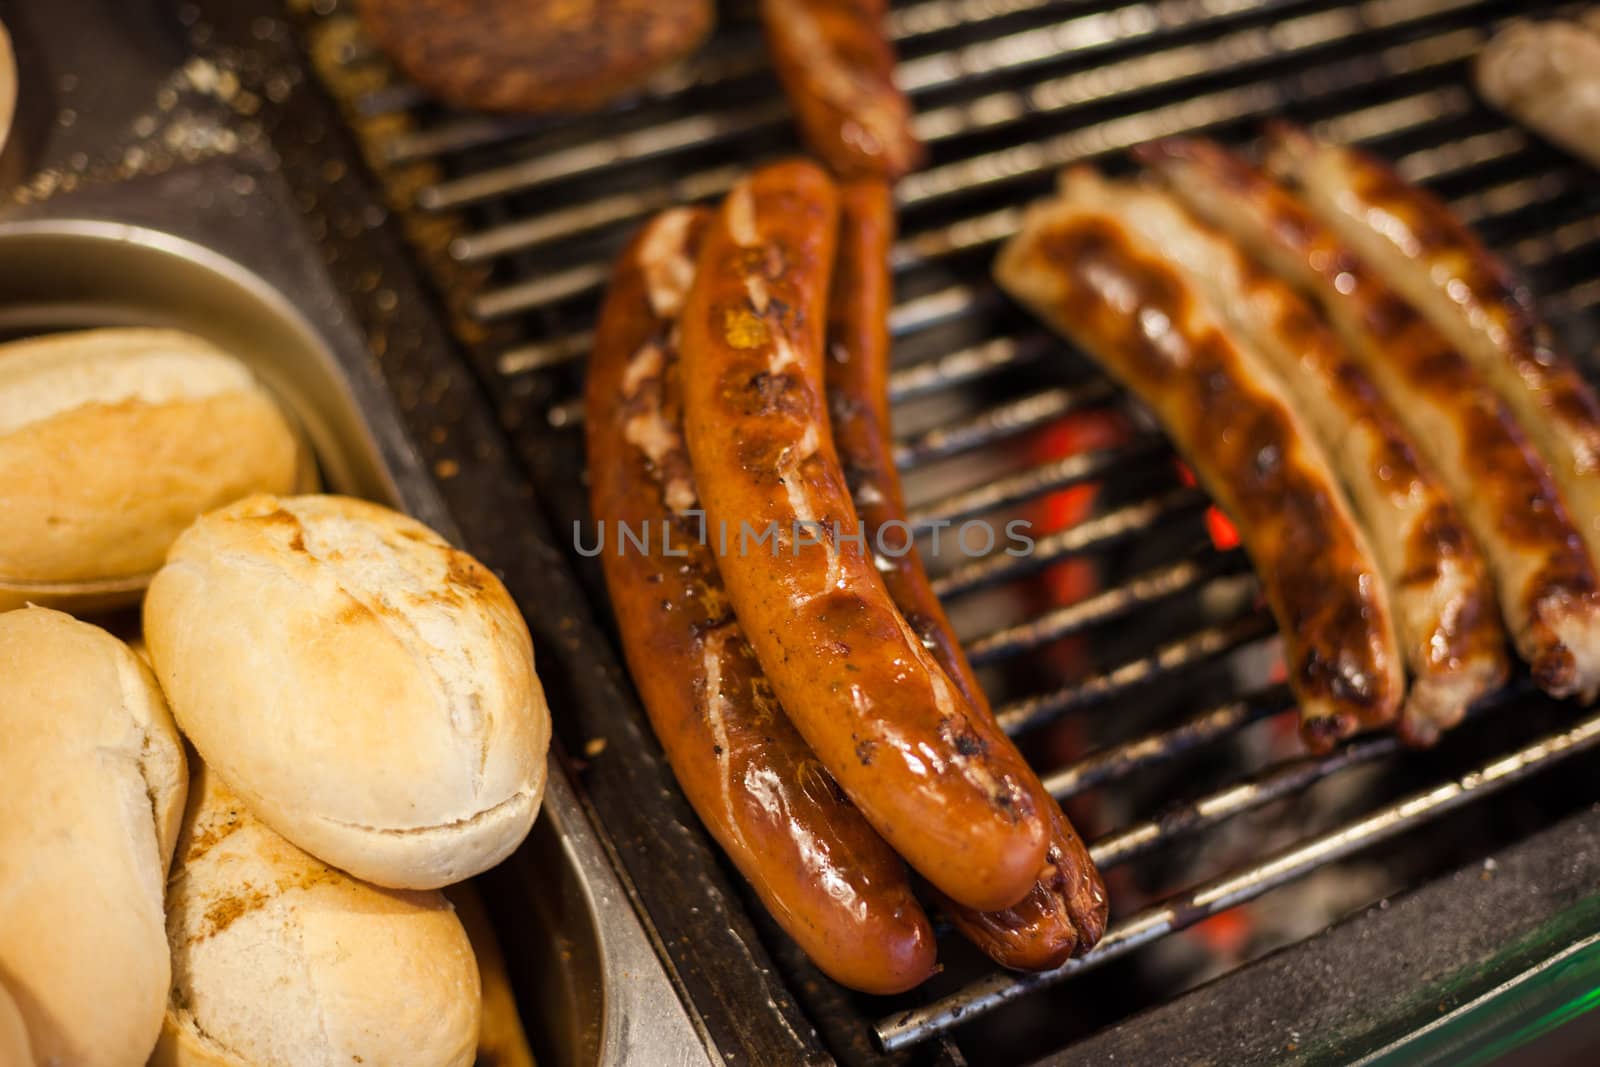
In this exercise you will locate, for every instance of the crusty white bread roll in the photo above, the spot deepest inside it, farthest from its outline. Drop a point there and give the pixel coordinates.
(366, 688)
(15, 1051)
(111, 442)
(281, 961)
(92, 783)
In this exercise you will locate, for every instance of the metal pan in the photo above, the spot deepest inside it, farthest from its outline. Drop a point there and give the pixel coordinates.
(589, 984)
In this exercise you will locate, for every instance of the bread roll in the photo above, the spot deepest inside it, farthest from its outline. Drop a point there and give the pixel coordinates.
(14, 1048)
(366, 688)
(280, 961)
(92, 784)
(534, 56)
(111, 442)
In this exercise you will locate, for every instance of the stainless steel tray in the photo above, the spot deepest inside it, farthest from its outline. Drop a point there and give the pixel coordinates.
(589, 982)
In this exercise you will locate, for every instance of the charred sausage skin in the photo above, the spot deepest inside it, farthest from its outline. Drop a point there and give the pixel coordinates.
(930, 773)
(830, 881)
(1543, 573)
(1411, 238)
(1064, 913)
(837, 68)
(1444, 600)
(1088, 277)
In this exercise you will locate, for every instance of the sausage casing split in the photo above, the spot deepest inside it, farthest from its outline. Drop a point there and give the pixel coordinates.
(1093, 280)
(1443, 596)
(823, 873)
(1064, 913)
(930, 774)
(1543, 574)
(1411, 239)
(837, 68)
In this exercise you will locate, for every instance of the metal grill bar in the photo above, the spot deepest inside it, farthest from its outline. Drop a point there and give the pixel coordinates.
(1094, 533)
(942, 71)
(1206, 726)
(1003, 420)
(942, 124)
(947, 305)
(956, 302)
(1199, 647)
(1037, 481)
(906, 1028)
(981, 233)
(966, 365)
(1248, 794)
(1137, 75)
(1173, 580)
(987, 73)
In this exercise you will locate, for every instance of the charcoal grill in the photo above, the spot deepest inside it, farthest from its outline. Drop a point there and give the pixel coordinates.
(515, 222)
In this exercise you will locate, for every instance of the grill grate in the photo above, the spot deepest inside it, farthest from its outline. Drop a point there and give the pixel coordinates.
(1007, 92)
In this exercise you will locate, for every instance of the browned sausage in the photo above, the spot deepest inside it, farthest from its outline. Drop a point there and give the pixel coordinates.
(1064, 914)
(1413, 240)
(1092, 279)
(1546, 582)
(837, 68)
(1444, 600)
(823, 873)
(1545, 73)
(931, 774)
(534, 56)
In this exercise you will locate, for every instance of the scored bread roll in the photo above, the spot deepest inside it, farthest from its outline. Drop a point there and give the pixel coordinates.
(92, 783)
(111, 442)
(281, 961)
(366, 688)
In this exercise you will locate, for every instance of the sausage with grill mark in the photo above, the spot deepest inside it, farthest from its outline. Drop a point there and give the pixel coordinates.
(1064, 913)
(1414, 241)
(1087, 275)
(1543, 574)
(823, 873)
(1444, 599)
(837, 68)
(930, 773)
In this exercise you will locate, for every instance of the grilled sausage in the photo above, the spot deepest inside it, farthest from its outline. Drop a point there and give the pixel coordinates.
(822, 872)
(934, 777)
(1413, 241)
(837, 68)
(1546, 75)
(534, 56)
(1445, 611)
(1545, 580)
(1064, 913)
(1088, 276)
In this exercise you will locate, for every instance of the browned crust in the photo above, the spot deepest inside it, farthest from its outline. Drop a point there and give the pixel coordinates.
(837, 68)
(534, 55)
(1443, 596)
(1086, 276)
(1539, 381)
(924, 768)
(1064, 914)
(1547, 584)
(823, 873)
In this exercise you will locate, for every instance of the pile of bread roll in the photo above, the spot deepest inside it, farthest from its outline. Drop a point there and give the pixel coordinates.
(360, 698)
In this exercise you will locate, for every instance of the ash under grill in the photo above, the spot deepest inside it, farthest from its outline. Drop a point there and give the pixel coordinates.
(519, 219)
